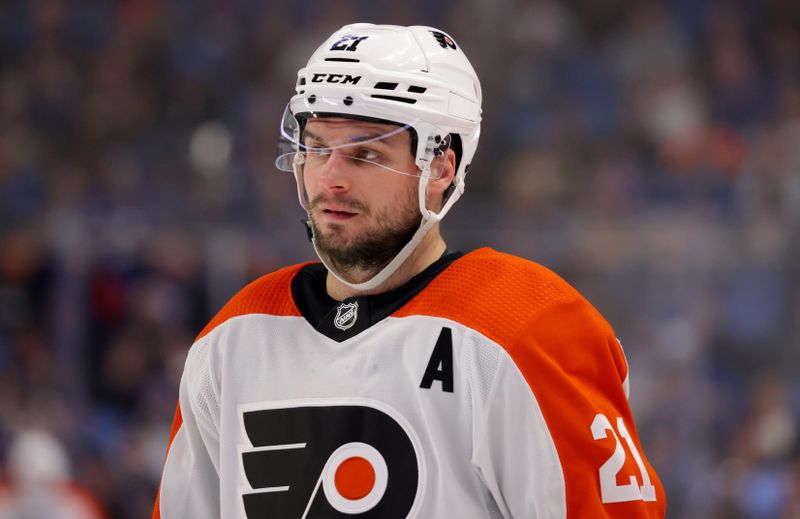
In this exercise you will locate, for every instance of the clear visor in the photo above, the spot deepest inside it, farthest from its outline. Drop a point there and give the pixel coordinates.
(315, 139)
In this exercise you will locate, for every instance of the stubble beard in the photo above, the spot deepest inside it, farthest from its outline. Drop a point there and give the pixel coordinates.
(364, 255)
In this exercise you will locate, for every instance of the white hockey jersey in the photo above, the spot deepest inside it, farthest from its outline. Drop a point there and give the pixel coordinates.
(486, 387)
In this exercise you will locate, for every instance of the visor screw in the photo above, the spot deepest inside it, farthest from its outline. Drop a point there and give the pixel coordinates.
(312, 99)
(348, 101)
(437, 139)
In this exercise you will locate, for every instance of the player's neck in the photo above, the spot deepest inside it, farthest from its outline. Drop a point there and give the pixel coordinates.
(428, 251)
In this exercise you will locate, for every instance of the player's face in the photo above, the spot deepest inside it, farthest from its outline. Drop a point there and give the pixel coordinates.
(362, 213)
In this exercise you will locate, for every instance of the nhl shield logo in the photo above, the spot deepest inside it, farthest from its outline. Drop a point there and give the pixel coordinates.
(346, 315)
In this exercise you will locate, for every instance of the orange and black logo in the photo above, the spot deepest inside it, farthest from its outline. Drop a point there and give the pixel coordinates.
(444, 40)
(327, 461)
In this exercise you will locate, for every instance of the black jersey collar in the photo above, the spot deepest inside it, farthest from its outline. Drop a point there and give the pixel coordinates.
(341, 320)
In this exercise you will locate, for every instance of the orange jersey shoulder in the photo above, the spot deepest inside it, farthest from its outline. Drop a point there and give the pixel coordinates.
(502, 296)
(493, 293)
(270, 294)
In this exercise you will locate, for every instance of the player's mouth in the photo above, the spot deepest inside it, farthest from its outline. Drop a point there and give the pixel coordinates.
(337, 213)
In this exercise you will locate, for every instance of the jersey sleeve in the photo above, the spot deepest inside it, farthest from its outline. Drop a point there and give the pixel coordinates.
(190, 480)
(558, 437)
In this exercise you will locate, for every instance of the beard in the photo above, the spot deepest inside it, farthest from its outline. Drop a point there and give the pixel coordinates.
(374, 247)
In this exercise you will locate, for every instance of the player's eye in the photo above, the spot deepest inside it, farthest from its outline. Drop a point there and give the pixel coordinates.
(366, 154)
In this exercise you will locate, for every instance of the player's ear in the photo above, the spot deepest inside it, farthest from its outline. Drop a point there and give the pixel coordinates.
(444, 167)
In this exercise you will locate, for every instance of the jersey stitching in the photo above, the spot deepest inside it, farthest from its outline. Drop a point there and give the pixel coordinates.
(203, 368)
(508, 365)
(489, 399)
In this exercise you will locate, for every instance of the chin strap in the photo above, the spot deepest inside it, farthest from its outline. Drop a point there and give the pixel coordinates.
(390, 268)
(309, 232)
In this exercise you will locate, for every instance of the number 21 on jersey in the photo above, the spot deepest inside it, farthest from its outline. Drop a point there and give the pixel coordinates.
(610, 491)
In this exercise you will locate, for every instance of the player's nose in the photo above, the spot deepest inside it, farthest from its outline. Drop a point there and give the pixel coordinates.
(335, 174)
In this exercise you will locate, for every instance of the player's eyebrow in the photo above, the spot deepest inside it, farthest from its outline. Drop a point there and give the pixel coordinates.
(379, 138)
(308, 134)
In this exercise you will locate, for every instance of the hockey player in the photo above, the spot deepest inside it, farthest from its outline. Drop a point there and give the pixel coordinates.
(396, 379)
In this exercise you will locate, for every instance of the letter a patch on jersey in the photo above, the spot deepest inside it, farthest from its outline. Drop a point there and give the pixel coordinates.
(440, 365)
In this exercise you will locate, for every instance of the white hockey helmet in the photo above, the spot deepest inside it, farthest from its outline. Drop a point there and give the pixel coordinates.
(414, 77)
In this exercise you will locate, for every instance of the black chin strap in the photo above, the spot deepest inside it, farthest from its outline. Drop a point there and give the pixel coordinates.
(307, 224)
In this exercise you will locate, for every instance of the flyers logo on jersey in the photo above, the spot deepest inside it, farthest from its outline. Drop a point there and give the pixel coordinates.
(321, 461)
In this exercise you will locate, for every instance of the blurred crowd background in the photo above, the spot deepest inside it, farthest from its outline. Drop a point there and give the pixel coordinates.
(647, 151)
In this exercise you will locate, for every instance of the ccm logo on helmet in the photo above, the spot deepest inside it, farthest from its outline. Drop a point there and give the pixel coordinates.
(325, 461)
(335, 78)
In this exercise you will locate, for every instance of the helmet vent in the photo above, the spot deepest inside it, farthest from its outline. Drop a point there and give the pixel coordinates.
(302, 81)
(384, 85)
(395, 98)
(345, 60)
(417, 89)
